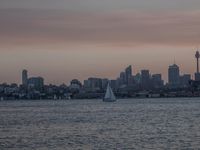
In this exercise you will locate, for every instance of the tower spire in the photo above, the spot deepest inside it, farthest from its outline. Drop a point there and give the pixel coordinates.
(197, 55)
(174, 60)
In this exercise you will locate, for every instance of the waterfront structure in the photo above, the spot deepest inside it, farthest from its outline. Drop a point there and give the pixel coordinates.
(86, 84)
(93, 84)
(25, 78)
(36, 83)
(173, 76)
(75, 84)
(197, 76)
(126, 85)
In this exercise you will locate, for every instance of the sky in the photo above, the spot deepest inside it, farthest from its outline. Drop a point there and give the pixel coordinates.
(66, 39)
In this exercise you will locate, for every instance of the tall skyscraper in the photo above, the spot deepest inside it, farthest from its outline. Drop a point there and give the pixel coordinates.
(25, 77)
(157, 80)
(122, 78)
(128, 74)
(145, 79)
(137, 78)
(173, 75)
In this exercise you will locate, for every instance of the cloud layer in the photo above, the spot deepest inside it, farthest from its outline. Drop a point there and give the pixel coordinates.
(115, 28)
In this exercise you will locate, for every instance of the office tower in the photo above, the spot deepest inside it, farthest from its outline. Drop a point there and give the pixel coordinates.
(173, 75)
(122, 78)
(128, 74)
(145, 79)
(184, 80)
(157, 80)
(137, 78)
(113, 84)
(24, 77)
(118, 83)
(86, 84)
(95, 83)
(131, 80)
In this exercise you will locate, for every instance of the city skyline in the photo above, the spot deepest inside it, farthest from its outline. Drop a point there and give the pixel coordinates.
(133, 72)
(128, 72)
(64, 39)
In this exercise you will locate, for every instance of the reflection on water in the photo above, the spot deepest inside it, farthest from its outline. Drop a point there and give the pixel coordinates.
(93, 124)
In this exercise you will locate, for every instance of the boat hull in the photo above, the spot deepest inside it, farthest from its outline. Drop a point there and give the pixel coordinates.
(109, 100)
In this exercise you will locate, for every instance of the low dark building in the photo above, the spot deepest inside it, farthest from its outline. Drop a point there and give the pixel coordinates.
(36, 82)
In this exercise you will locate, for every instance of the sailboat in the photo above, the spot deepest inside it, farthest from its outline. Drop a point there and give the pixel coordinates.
(109, 96)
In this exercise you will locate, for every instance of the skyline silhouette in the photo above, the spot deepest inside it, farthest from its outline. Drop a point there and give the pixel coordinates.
(109, 72)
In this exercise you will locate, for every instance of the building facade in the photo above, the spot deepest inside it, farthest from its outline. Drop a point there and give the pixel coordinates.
(174, 76)
(24, 77)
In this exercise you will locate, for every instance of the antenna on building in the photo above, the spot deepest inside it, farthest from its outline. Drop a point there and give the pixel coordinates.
(174, 60)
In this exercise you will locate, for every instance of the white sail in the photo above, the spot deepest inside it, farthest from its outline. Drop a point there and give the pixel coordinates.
(109, 96)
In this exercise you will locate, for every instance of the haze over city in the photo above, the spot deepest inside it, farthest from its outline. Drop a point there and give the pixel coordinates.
(66, 39)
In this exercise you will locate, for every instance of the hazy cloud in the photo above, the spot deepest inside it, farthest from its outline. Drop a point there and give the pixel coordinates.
(115, 28)
(103, 5)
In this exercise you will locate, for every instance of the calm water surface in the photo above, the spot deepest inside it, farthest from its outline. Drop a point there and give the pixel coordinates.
(93, 124)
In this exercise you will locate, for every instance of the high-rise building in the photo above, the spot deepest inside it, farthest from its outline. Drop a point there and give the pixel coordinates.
(113, 84)
(197, 76)
(128, 74)
(122, 78)
(24, 77)
(131, 81)
(184, 80)
(157, 80)
(173, 75)
(93, 84)
(137, 78)
(145, 79)
(86, 84)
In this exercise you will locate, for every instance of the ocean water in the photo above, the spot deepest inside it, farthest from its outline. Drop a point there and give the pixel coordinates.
(92, 124)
